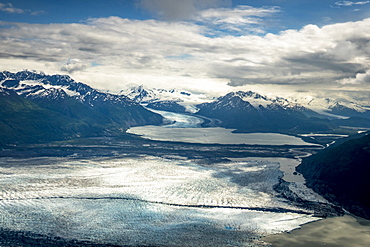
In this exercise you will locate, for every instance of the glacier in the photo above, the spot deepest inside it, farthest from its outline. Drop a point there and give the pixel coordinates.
(146, 200)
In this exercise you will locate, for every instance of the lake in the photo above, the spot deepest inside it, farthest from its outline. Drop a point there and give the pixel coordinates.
(185, 128)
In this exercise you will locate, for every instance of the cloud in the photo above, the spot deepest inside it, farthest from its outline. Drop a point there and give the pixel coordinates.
(237, 20)
(182, 54)
(73, 65)
(8, 7)
(358, 79)
(180, 9)
(350, 3)
(215, 15)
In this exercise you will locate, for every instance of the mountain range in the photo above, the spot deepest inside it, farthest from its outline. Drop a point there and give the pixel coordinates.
(323, 107)
(252, 112)
(37, 107)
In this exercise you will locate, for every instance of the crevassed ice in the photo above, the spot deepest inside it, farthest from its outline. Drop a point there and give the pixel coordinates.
(144, 201)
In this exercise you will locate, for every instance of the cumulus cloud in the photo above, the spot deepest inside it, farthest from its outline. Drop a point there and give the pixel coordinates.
(358, 79)
(73, 65)
(180, 53)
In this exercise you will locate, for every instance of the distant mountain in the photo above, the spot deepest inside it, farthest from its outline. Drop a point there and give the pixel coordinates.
(341, 174)
(91, 112)
(333, 108)
(252, 112)
(141, 95)
(70, 108)
(144, 95)
(167, 100)
(265, 113)
(312, 107)
(350, 110)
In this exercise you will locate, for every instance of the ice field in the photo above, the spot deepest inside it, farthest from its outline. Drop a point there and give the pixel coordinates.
(146, 201)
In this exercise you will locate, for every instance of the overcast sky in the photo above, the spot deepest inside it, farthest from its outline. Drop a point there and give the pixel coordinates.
(280, 46)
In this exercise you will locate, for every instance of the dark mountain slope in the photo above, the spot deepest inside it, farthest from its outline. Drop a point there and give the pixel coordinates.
(23, 121)
(360, 122)
(342, 110)
(38, 107)
(167, 105)
(251, 112)
(341, 173)
(61, 93)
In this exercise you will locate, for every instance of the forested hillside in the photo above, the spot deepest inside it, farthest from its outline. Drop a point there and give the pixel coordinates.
(341, 173)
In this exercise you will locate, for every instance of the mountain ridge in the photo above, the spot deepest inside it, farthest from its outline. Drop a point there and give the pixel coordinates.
(341, 173)
(93, 111)
(314, 106)
(252, 112)
(90, 111)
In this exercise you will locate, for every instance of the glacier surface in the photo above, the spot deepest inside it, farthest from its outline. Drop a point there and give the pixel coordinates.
(146, 201)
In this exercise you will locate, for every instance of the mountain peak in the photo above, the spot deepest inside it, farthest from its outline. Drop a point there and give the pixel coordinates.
(57, 107)
(259, 101)
(144, 95)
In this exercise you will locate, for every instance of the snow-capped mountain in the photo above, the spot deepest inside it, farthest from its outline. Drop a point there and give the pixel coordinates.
(333, 108)
(166, 99)
(176, 100)
(140, 94)
(87, 110)
(250, 111)
(310, 106)
(259, 101)
(144, 95)
(34, 103)
(39, 86)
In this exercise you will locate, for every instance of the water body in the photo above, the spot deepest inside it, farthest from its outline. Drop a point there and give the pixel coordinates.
(286, 165)
(339, 232)
(185, 128)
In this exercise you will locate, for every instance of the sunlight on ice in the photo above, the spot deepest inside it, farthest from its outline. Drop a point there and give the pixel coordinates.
(146, 200)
